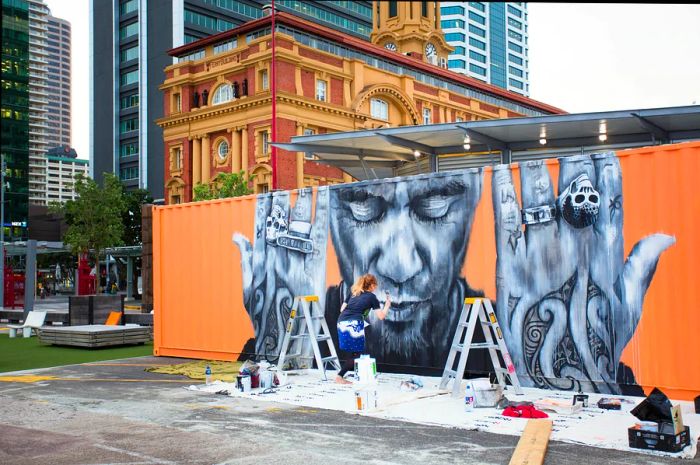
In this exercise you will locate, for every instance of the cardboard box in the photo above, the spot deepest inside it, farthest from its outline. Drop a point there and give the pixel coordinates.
(652, 440)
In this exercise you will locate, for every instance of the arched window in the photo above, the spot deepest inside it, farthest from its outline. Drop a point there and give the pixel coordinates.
(222, 149)
(379, 109)
(222, 94)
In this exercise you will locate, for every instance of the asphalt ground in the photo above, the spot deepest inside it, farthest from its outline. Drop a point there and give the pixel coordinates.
(115, 413)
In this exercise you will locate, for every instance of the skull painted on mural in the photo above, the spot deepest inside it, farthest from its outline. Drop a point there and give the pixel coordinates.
(275, 225)
(580, 203)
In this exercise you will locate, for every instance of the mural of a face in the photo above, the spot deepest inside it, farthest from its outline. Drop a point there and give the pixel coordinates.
(412, 235)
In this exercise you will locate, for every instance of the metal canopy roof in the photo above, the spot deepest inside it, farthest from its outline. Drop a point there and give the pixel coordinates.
(380, 151)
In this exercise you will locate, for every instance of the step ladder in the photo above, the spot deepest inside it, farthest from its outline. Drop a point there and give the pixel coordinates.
(478, 309)
(307, 322)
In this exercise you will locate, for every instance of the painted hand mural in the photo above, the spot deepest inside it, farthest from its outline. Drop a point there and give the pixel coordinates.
(287, 259)
(568, 302)
(412, 234)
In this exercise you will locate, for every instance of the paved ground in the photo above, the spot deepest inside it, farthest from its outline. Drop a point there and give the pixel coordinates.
(118, 414)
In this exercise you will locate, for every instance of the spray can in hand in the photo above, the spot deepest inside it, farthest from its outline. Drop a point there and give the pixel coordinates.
(469, 397)
(207, 375)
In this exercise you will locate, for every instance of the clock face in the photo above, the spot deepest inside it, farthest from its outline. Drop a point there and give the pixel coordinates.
(430, 50)
(390, 46)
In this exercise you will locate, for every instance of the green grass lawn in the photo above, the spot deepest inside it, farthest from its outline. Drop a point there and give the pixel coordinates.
(24, 354)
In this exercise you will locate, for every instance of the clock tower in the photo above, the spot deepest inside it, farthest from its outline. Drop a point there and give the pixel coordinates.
(411, 28)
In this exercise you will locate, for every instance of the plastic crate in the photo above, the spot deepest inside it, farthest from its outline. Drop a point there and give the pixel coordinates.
(640, 439)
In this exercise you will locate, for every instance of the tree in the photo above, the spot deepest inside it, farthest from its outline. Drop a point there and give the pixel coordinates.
(94, 218)
(224, 185)
(131, 218)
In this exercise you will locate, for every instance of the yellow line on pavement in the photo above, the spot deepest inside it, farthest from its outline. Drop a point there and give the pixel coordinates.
(35, 379)
(92, 364)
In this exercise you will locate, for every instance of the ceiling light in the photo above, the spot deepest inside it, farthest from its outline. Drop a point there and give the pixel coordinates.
(603, 137)
(467, 146)
(416, 153)
(467, 140)
(543, 140)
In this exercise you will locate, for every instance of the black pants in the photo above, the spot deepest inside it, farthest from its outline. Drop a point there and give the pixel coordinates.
(349, 364)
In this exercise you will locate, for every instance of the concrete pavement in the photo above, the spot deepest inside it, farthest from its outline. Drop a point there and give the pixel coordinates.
(116, 413)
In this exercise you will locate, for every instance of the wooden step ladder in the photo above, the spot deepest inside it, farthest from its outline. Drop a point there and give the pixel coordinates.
(478, 309)
(305, 318)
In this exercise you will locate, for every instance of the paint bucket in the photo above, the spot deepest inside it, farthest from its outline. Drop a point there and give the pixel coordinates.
(266, 379)
(365, 370)
(485, 393)
(365, 399)
(243, 383)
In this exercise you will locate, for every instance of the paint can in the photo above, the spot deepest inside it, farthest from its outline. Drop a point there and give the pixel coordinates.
(365, 370)
(266, 379)
(365, 399)
(243, 383)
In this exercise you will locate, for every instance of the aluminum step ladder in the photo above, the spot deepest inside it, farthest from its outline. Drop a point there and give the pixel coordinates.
(305, 318)
(478, 309)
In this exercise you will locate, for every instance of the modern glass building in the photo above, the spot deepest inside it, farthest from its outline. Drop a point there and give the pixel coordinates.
(14, 113)
(58, 47)
(124, 98)
(490, 41)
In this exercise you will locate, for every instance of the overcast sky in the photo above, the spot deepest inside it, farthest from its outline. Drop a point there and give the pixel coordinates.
(583, 57)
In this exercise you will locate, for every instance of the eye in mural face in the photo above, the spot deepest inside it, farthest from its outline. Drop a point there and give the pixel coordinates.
(433, 206)
(364, 207)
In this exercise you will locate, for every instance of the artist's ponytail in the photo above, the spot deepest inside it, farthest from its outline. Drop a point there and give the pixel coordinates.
(363, 283)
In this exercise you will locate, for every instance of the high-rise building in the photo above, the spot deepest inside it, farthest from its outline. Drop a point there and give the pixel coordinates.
(125, 75)
(58, 47)
(490, 42)
(14, 143)
(62, 166)
(38, 102)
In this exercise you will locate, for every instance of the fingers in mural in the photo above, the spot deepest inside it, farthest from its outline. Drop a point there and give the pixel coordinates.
(510, 247)
(246, 251)
(607, 256)
(316, 260)
(636, 276)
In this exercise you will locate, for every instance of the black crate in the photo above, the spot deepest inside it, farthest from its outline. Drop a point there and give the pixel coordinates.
(640, 439)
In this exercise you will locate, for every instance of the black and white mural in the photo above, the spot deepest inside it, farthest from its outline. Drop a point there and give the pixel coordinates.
(567, 298)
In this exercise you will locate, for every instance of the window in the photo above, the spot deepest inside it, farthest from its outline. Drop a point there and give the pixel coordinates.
(128, 125)
(455, 64)
(477, 56)
(477, 43)
(128, 149)
(176, 159)
(130, 77)
(392, 9)
(459, 50)
(515, 71)
(309, 132)
(131, 172)
(477, 69)
(424, 9)
(129, 101)
(477, 18)
(427, 116)
(515, 47)
(515, 83)
(224, 46)
(222, 94)
(513, 59)
(321, 90)
(128, 30)
(459, 119)
(175, 199)
(477, 5)
(454, 37)
(516, 24)
(131, 53)
(222, 150)
(477, 30)
(454, 23)
(128, 7)
(515, 35)
(199, 19)
(265, 142)
(177, 104)
(379, 109)
(514, 11)
(264, 81)
(452, 10)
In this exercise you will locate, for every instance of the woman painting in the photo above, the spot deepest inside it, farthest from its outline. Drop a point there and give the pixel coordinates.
(351, 322)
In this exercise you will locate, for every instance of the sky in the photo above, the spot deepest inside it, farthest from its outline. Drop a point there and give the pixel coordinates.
(584, 57)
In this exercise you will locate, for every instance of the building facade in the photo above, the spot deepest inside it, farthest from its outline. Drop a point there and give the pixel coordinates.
(63, 165)
(125, 99)
(59, 83)
(38, 102)
(14, 116)
(490, 41)
(217, 98)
